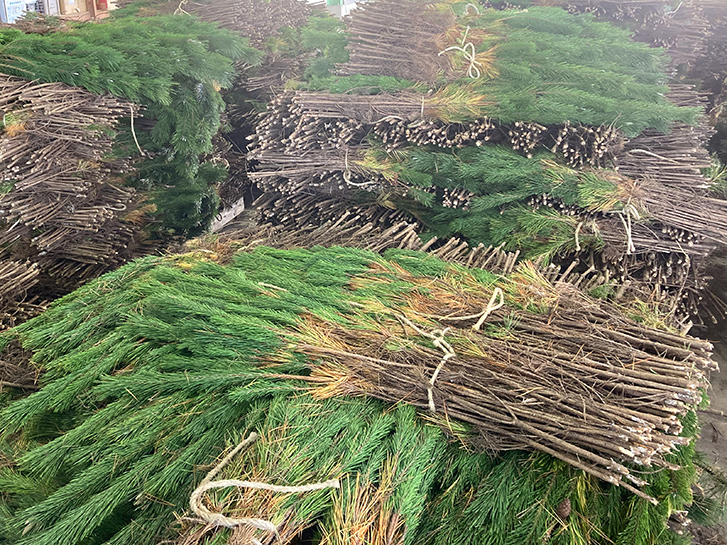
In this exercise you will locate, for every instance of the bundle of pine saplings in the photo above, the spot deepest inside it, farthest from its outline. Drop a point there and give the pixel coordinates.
(395, 398)
(101, 146)
(681, 29)
(174, 67)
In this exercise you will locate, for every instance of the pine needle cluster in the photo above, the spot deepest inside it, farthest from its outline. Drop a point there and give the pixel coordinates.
(499, 187)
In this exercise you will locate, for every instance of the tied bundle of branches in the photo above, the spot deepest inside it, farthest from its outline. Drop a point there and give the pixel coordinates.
(151, 369)
(258, 21)
(675, 159)
(575, 381)
(391, 38)
(172, 66)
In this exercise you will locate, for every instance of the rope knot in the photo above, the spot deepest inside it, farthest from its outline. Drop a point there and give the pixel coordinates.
(470, 55)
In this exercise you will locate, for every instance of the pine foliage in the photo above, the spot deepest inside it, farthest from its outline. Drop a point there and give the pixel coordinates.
(152, 370)
(499, 186)
(553, 66)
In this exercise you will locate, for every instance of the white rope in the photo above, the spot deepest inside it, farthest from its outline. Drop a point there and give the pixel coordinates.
(347, 171)
(430, 388)
(179, 9)
(629, 210)
(578, 243)
(218, 519)
(437, 336)
(386, 118)
(491, 307)
(133, 133)
(469, 52)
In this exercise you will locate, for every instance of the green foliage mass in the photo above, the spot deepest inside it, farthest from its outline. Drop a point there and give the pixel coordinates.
(554, 66)
(321, 42)
(174, 66)
(153, 369)
(326, 37)
(501, 180)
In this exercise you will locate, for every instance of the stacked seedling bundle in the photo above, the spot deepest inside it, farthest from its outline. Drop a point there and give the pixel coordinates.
(107, 130)
(172, 66)
(153, 369)
(287, 33)
(534, 128)
(63, 204)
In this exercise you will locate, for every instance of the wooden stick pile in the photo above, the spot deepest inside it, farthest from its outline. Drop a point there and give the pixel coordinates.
(17, 277)
(676, 158)
(674, 191)
(256, 20)
(392, 38)
(61, 212)
(514, 382)
(306, 210)
(15, 368)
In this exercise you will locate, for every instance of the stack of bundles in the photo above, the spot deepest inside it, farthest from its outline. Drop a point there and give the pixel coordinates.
(172, 66)
(70, 202)
(65, 214)
(274, 28)
(534, 128)
(377, 386)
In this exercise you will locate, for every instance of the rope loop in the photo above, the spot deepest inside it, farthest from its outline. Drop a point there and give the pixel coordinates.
(491, 307)
(218, 519)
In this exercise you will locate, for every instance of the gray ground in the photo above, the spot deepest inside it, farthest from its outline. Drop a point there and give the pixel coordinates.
(713, 441)
(714, 425)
